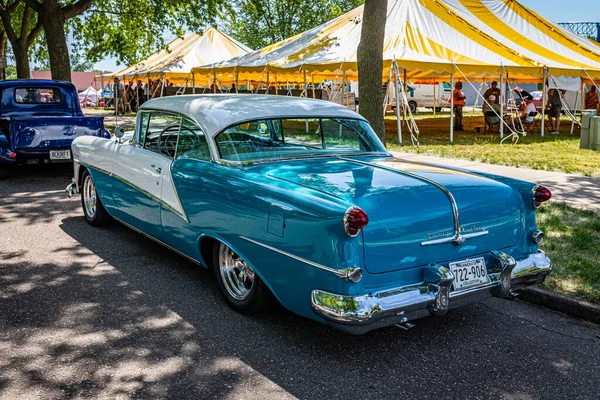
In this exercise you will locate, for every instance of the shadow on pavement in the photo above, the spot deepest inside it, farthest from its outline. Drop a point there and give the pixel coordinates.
(497, 348)
(108, 313)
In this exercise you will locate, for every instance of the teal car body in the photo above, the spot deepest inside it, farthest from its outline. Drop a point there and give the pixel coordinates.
(284, 182)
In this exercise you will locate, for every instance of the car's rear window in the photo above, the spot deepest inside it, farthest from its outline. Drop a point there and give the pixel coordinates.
(275, 139)
(37, 95)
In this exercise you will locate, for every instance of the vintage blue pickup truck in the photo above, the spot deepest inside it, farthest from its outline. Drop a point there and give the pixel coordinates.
(39, 119)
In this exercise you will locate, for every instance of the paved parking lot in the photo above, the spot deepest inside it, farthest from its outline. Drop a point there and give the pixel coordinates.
(107, 313)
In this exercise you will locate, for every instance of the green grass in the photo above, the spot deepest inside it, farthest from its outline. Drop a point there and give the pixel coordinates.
(572, 242)
(552, 153)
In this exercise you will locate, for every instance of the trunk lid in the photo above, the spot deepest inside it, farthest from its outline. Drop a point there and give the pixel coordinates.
(405, 211)
(51, 132)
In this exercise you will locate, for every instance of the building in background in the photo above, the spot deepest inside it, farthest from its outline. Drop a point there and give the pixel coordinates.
(81, 80)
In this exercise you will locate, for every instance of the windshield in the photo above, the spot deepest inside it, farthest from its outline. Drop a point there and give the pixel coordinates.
(274, 139)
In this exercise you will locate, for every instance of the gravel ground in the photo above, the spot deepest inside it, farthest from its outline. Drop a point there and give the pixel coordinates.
(107, 313)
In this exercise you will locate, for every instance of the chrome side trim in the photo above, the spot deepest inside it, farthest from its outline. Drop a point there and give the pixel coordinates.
(157, 241)
(457, 238)
(145, 192)
(351, 274)
(453, 239)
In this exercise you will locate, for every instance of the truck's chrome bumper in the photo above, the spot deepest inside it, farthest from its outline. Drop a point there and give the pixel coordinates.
(360, 314)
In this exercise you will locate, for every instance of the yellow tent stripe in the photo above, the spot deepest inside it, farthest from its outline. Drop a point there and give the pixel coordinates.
(543, 25)
(418, 42)
(491, 20)
(459, 24)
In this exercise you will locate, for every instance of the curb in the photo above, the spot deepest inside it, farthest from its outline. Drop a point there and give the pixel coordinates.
(559, 302)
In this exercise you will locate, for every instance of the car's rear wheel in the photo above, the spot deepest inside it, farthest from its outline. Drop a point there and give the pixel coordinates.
(413, 107)
(241, 287)
(93, 210)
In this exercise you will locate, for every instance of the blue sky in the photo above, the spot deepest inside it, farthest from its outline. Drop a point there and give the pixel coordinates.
(554, 10)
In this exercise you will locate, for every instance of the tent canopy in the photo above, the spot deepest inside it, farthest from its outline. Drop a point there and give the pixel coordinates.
(181, 55)
(428, 38)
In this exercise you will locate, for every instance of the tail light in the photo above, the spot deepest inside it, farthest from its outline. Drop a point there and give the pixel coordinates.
(541, 194)
(354, 220)
(13, 155)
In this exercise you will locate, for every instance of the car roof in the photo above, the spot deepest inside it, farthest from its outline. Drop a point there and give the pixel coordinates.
(36, 83)
(215, 112)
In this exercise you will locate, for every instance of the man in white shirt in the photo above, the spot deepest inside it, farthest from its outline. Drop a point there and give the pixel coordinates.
(528, 108)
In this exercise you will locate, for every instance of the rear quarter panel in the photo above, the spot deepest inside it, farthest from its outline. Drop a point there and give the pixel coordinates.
(230, 204)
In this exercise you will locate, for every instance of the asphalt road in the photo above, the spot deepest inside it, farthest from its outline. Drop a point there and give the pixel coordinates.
(107, 313)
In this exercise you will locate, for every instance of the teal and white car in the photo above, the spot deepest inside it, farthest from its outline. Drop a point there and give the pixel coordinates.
(298, 200)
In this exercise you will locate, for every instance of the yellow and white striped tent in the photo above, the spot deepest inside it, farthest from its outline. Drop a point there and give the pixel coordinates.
(428, 38)
(176, 61)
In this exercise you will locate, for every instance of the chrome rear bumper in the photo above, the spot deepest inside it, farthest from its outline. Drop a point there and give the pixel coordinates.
(360, 314)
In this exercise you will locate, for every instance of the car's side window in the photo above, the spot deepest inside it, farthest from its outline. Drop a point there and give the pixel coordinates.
(192, 142)
(162, 133)
(144, 119)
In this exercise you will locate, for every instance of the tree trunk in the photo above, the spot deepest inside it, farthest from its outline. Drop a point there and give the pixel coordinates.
(53, 20)
(21, 59)
(3, 43)
(370, 64)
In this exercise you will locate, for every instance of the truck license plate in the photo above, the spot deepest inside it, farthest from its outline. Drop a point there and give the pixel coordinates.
(469, 273)
(60, 154)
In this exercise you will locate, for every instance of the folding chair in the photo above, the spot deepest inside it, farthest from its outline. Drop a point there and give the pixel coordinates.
(491, 119)
(531, 122)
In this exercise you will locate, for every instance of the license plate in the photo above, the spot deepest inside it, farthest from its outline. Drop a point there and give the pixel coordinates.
(469, 273)
(60, 154)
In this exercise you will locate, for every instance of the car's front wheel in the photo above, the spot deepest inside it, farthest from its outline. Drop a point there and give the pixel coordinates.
(93, 210)
(239, 284)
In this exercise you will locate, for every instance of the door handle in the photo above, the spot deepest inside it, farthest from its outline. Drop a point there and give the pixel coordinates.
(157, 169)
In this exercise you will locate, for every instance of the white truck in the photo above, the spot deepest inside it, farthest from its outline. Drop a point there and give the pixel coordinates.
(424, 95)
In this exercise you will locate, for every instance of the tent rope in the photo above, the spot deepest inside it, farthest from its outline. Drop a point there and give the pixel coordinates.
(564, 104)
(513, 134)
(411, 123)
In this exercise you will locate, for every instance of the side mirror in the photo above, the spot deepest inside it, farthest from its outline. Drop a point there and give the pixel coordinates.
(119, 132)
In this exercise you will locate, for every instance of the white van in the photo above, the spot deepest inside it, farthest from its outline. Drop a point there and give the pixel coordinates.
(422, 95)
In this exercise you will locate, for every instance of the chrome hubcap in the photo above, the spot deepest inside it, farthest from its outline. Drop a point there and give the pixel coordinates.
(89, 197)
(237, 276)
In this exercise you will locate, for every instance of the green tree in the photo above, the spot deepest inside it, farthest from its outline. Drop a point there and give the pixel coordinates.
(258, 23)
(127, 29)
(370, 64)
(22, 27)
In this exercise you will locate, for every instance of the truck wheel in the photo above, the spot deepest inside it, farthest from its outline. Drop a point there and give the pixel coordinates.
(4, 172)
(413, 107)
(438, 109)
(93, 210)
(241, 287)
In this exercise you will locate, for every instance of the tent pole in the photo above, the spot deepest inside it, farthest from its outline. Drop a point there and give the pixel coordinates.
(434, 98)
(397, 94)
(312, 82)
(237, 80)
(268, 76)
(580, 99)
(501, 101)
(305, 91)
(214, 81)
(405, 89)
(193, 82)
(544, 99)
(452, 108)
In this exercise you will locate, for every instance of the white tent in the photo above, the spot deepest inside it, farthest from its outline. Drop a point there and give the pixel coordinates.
(90, 94)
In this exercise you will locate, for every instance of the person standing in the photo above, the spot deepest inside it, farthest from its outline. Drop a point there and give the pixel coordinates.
(118, 93)
(459, 103)
(554, 110)
(591, 99)
(493, 91)
(140, 93)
